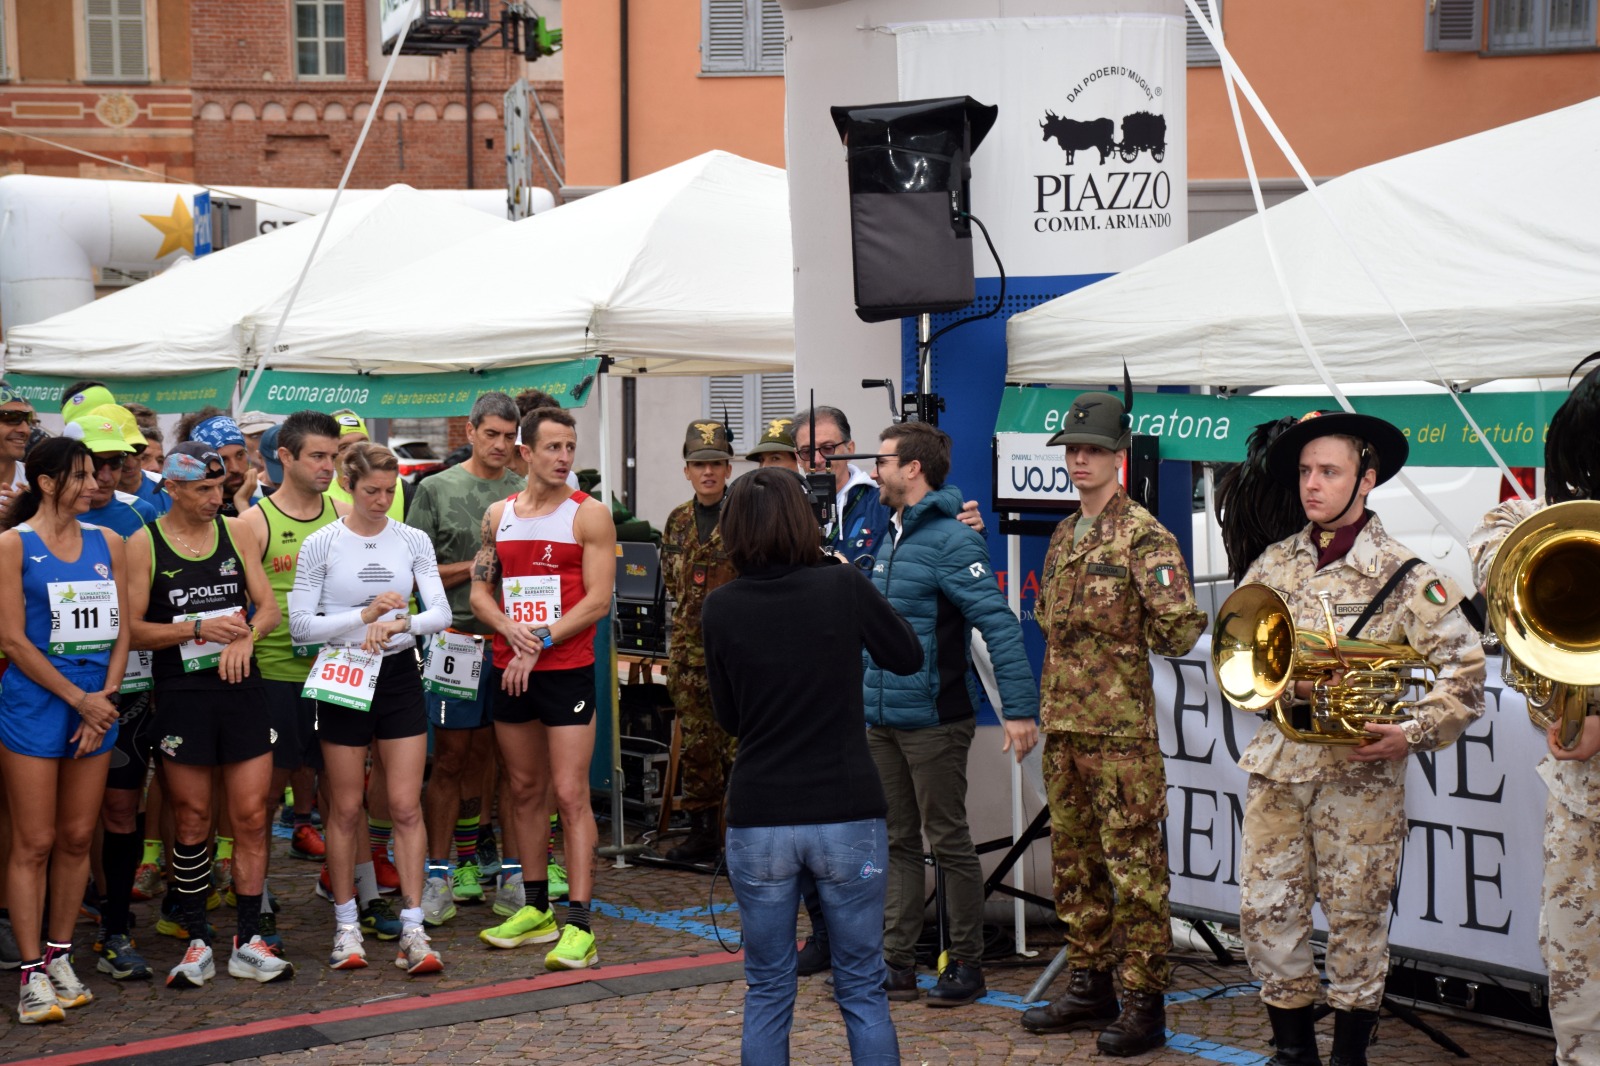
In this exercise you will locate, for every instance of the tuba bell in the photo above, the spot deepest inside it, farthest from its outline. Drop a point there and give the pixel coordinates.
(1257, 654)
(1543, 597)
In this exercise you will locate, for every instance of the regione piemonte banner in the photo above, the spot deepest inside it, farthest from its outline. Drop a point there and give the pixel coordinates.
(1086, 169)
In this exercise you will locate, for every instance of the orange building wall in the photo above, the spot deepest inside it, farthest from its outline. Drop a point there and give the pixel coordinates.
(675, 112)
(1348, 83)
(172, 23)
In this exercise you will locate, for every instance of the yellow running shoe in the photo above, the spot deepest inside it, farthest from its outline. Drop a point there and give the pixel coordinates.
(575, 952)
(528, 926)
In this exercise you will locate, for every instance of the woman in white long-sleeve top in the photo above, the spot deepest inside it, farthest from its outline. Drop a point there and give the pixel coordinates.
(352, 583)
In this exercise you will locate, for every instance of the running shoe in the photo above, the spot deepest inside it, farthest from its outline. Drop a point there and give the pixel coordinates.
(388, 876)
(70, 992)
(307, 843)
(89, 910)
(325, 884)
(214, 900)
(147, 882)
(467, 887)
(379, 918)
(256, 961)
(119, 959)
(438, 906)
(416, 954)
(169, 925)
(509, 898)
(527, 926)
(488, 853)
(10, 954)
(198, 967)
(222, 880)
(557, 875)
(37, 1002)
(575, 952)
(267, 929)
(348, 951)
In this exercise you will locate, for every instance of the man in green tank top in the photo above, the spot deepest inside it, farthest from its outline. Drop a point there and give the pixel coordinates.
(449, 507)
(299, 459)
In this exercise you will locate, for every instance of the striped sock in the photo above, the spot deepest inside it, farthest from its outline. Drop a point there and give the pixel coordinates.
(578, 914)
(191, 884)
(466, 840)
(53, 951)
(381, 830)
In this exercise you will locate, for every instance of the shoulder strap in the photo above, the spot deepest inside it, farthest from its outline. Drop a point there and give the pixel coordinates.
(1376, 603)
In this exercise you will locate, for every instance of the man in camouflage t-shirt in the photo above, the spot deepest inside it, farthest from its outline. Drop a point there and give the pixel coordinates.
(1113, 590)
(449, 507)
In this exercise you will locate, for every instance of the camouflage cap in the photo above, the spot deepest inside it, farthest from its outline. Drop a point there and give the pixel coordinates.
(1095, 418)
(706, 441)
(777, 437)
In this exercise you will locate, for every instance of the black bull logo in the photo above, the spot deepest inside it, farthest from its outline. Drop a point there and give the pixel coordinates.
(1141, 131)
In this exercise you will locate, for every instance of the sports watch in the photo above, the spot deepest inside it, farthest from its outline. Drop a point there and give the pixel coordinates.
(543, 633)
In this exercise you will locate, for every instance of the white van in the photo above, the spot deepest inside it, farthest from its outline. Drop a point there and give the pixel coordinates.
(1464, 493)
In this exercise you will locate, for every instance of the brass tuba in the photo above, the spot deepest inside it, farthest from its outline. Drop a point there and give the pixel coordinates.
(1257, 654)
(1543, 596)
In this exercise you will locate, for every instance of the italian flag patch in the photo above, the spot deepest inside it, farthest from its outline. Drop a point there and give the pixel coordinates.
(1435, 592)
(1166, 575)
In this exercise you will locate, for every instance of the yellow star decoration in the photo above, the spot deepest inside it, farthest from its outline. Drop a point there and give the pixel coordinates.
(177, 229)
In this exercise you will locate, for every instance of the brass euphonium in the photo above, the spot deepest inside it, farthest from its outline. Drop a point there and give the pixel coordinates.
(1543, 597)
(1257, 654)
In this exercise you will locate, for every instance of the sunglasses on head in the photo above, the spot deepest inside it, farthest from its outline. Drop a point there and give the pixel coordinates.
(18, 418)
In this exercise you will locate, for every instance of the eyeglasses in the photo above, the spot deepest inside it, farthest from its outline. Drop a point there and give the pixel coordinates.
(808, 452)
(18, 418)
(880, 460)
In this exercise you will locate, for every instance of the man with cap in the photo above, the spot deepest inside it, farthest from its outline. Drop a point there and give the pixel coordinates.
(1569, 937)
(776, 447)
(253, 424)
(131, 483)
(16, 427)
(353, 431)
(1113, 590)
(1326, 822)
(81, 397)
(220, 433)
(693, 562)
(110, 450)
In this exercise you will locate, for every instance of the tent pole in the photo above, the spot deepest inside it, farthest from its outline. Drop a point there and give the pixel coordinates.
(618, 847)
(1019, 919)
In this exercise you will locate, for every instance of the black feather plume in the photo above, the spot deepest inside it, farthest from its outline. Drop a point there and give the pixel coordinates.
(1253, 509)
(1572, 450)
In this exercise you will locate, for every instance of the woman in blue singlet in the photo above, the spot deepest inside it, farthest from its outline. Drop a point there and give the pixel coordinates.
(61, 585)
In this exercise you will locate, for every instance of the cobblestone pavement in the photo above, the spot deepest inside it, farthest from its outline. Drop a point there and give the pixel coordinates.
(644, 915)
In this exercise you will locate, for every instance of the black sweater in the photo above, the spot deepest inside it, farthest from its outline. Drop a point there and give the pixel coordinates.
(783, 654)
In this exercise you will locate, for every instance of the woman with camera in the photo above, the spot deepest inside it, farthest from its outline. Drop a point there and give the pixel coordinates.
(804, 795)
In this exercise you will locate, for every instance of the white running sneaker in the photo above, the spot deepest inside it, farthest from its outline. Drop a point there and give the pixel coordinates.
(348, 951)
(70, 991)
(416, 953)
(195, 970)
(37, 1001)
(438, 900)
(509, 898)
(255, 961)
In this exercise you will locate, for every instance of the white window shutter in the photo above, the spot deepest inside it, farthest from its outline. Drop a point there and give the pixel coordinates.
(100, 38)
(776, 392)
(132, 59)
(1453, 25)
(727, 401)
(769, 37)
(1201, 54)
(725, 36)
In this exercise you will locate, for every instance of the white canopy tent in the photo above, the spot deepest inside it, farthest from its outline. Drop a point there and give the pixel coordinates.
(187, 319)
(1488, 245)
(684, 271)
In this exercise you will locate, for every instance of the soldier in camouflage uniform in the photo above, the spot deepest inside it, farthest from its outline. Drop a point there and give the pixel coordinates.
(1569, 936)
(1326, 822)
(1114, 589)
(693, 563)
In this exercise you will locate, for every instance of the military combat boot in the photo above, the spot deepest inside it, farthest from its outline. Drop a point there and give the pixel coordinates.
(1089, 1001)
(1352, 1032)
(1294, 1034)
(701, 845)
(1142, 1025)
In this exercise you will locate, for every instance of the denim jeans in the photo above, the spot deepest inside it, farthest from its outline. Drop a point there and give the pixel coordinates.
(849, 862)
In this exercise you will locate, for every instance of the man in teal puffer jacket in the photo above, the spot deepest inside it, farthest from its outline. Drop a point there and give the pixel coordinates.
(936, 573)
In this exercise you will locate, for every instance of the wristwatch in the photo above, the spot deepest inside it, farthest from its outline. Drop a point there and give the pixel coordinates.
(409, 619)
(543, 633)
(197, 622)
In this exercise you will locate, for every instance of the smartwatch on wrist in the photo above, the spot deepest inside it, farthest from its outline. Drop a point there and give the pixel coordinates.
(543, 633)
(197, 622)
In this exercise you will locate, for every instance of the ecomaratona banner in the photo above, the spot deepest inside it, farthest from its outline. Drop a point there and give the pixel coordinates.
(1473, 860)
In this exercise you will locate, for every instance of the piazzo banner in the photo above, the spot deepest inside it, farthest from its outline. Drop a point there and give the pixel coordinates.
(1472, 865)
(1086, 169)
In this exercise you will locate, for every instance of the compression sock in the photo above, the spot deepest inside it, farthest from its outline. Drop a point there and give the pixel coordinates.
(578, 914)
(119, 857)
(191, 884)
(536, 894)
(249, 916)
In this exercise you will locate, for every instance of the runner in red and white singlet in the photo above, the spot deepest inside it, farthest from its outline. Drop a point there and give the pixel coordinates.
(541, 580)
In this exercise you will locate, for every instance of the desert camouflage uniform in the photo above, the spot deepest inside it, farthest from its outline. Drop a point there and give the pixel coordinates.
(1105, 605)
(691, 570)
(1319, 827)
(1569, 934)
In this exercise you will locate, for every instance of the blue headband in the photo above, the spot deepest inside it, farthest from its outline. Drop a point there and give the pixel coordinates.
(218, 432)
